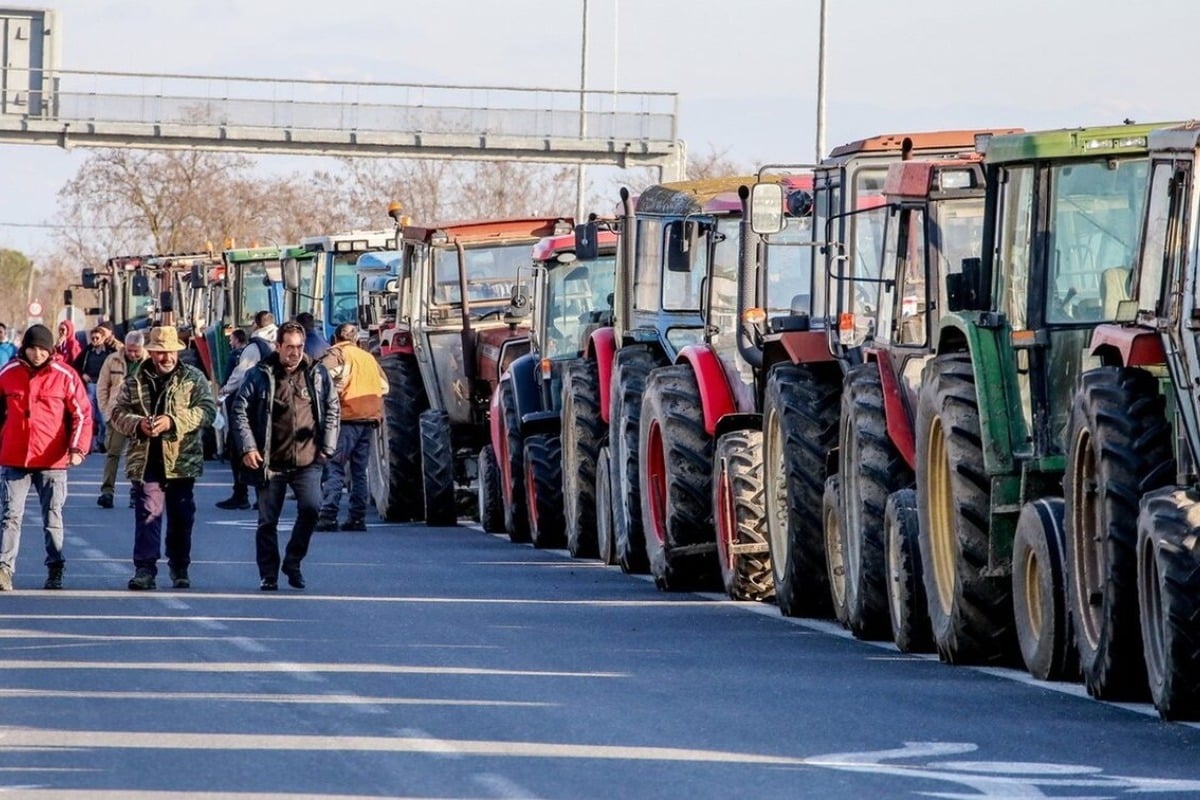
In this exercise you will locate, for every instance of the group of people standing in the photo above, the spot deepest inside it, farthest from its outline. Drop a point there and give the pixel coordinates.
(296, 421)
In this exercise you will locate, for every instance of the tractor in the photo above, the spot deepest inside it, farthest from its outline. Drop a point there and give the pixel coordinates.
(378, 277)
(521, 484)
(141, 291)
(1132, 488)
(461, 320)
(328, 278)
(1063, 209)
(805, 349)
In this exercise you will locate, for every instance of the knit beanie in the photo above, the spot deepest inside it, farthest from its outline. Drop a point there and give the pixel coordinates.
(37, 336)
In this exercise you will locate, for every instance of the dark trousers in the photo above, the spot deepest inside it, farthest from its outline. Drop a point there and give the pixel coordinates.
(306, 483)
(151, 499)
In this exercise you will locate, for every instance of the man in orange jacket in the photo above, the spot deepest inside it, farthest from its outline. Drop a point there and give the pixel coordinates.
(45, 426)
(361, 385)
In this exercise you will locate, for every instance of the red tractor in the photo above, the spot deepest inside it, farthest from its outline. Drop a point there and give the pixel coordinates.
(462, 320)
(521, 478)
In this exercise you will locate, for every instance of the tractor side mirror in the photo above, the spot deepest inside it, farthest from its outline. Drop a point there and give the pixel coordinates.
(166, 302)
(766, 208)
(291, 274)
(197, 279)
(679, 246)
(88, 278)
(518, 305)
(962, 288)
(140, 284)
(68, 297)
(586, 246)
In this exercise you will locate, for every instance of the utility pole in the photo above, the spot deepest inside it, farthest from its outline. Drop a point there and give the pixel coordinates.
(820, 85)
(580, 176)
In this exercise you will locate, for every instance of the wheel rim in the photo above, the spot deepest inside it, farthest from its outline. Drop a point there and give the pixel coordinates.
(941, 516)
(604, 537)
(570, 500)
(1087, 544)
(776, 491)
(1152, 612)
(851, 543)
(657, 480)
(1033, 594)
(835, 552)
(531, 506)
(726, 518)
(895, 567)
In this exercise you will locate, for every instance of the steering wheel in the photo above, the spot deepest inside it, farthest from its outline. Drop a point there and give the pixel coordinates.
(345, 310)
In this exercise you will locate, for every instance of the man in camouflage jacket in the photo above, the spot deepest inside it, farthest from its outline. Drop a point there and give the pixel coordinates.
(162, 409)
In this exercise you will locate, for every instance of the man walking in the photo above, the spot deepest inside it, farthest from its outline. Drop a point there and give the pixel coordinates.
(360, 385)
(285, 420)
(117, 367)
(45, 426)
(162, 409)
(261, 345)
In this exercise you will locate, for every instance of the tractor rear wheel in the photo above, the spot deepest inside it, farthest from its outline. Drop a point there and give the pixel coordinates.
(633, 363)
(906, 591)
(512, 467)
(872, 469)
(491, 501)
(395, 467)
(1040, 592)
(740, 518)
(582, 434)
(1119, 448)
(675, 463)
(437, 469)
(800, 427)
(606, 544)
(1169, 592)
(543, 490)
(970, 611)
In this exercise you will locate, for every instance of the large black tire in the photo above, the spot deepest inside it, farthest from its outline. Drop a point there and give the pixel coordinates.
(512, 466)
(675, 464)
(606, 541)
(1169, 592)
(1119, 448)
(907, 605)
(1040, 592)
(630, 368)
(437, 469)
(543, 490)
(970, 612)
(871, 469)
(491, 499)
(800, 427)
(396, 463)
(835, 560)
(583, 432)
(739, 517)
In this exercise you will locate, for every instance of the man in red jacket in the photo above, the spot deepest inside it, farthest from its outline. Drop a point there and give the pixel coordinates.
(45, 426)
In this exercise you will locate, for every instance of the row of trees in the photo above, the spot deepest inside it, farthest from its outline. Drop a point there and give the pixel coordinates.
(124, 202)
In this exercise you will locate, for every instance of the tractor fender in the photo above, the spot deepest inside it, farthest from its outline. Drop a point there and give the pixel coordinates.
(716, 398)
(527, 394)
(1125, 346)
(738, 422)
(899, 426)
(602, 346)
(395, 340)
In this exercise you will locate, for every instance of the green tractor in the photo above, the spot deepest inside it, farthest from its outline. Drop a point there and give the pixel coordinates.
(1062, 209)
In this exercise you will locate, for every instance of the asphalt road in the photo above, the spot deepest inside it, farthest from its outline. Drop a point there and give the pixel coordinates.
(448, 663)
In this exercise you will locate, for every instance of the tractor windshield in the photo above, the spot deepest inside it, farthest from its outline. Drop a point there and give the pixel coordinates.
(576, 301)
(788, 266)
(491, 273)
(254, 294)
(1095, 218)
(345, 288)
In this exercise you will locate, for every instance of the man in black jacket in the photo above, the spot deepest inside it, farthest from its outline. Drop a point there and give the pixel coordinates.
(285, 420)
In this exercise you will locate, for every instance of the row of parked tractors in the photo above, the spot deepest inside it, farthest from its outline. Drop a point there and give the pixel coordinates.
(941, 386)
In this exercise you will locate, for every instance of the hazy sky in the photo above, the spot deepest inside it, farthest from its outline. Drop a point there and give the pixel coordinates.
(745, 70)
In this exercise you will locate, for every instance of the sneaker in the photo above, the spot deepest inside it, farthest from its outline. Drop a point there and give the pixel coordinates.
(105, 500)
(180, 579)
(5, 580)
(54, 577)
(268, 585)
(324, 524)
(235, 503)
(294, 576)
(142, 580)
(354, 525)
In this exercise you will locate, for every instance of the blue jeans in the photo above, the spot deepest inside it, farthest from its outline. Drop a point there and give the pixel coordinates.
(51, 487)
(306, 483)
(98, 426)
(151, 500)
(353, 451)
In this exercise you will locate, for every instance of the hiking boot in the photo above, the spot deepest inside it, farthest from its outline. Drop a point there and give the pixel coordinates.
(354, 525)
(294, 576)
(142, 580)
(268, 585)
(180, 579)
(5, 580)
(235, 503)
(105, 500)
(325, 524)
(54, 577)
